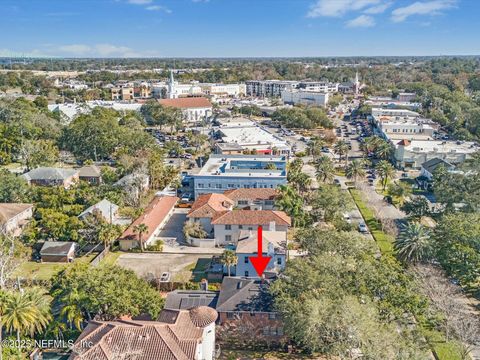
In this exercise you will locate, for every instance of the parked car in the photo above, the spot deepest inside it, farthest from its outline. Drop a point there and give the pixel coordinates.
(362, 227)
(165, 277)
(186, 198)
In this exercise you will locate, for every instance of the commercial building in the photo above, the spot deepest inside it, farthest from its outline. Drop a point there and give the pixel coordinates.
(225, 172)
(304, 97)
(269, 88)
(414, 153)
(224, 90)
(252, 138)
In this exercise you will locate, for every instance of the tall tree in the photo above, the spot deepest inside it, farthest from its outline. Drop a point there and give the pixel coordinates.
(386, 171)
(355, 170)
(140, 229)
(229, 259)
(324, 169)
(414, 243)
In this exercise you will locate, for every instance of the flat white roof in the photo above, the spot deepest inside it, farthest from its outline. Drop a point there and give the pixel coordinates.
(464, 147)
(221, 165)
(251, 136)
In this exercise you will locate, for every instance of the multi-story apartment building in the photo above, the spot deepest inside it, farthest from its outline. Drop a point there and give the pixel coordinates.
(226, 172)
(269, 88)
(309, 98)
(228, 90)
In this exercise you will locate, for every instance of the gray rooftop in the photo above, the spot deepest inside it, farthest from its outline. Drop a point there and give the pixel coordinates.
(187, 299)
(241, 294)
(57, 248)
(50, 173)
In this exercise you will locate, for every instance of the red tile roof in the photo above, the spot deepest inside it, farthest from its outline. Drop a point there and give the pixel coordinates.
(154, 214)
(251, 194)
(404, 142)
(207, 205)
(186, 103)
(174, 337)
(252, 217)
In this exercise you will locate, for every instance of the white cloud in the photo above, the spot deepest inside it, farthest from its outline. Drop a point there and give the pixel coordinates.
(378, 9)
(76, 49)
(361, 21)
(140, 2)
(338, 8)
(434, 7)
(159, 8)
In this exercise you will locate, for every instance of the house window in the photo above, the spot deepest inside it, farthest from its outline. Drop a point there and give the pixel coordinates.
(218, 186)
(240, 227)
(266, 330)
(228, 227)
(280, 331)
(245, 260)
(279, 261)
(229, 315)
(242, 202)
(272, 316)
(246, 273)
(230, 186)
(228, 238)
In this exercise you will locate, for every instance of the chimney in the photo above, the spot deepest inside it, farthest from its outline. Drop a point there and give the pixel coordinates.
(204, 285)
(271, 226)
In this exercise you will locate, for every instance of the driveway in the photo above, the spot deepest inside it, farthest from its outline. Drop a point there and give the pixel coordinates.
(172, 232)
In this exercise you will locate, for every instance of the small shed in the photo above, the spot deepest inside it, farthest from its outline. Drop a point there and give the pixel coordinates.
(58, 251)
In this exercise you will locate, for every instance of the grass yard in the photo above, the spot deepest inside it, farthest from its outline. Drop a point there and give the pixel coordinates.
(444, 350)
(45, 271)
(198, 270)
(111, 258)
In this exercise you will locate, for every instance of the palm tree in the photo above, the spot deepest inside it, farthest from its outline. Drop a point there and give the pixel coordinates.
(229, 259)
(413, 245)
(325, 170)
(194, 229)
(292, 203)
(383, 150)
(108, 233)
(370, 144)
(341, 148)
(401, 191)
(3, 306)
(314, 147)
(20, 313)
(386, 172)
(140, 229)
(355, 170)
(41, 302)
(71, 309)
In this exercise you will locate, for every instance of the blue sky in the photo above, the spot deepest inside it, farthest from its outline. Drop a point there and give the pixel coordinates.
(238, 28)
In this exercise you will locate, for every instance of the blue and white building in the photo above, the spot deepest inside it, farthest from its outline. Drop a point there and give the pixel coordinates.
(226, 172)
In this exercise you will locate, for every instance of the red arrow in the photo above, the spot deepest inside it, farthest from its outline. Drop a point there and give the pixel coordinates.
(259, 262)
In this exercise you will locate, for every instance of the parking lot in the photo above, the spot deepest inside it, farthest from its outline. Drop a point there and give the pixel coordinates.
(173, 229)
(150, 265)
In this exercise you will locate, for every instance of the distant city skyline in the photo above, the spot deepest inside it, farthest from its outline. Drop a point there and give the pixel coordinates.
(239, 28)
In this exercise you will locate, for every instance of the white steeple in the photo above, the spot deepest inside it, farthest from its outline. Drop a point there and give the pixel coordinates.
(171, 87)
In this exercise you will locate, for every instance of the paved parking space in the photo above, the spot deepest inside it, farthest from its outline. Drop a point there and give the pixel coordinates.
(173, 229)
(149, 265)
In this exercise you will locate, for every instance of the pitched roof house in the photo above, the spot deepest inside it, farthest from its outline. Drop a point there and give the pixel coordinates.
(154, 217)
(91, 174)
(177, 335)
(106, 209)
(49, 176)
(13, 216)
(58, 251)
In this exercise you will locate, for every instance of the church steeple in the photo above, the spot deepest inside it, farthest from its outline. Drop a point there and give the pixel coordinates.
(171, 87)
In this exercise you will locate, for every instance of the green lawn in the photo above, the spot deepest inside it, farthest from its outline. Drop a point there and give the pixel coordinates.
(111, 258)
(444, 350)
(45, 271)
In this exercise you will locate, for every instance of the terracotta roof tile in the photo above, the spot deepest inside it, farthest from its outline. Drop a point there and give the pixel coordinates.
(146, 340)
(252, 217)
(186, 103)
(208, 205)
(251, 194)
(153, 216)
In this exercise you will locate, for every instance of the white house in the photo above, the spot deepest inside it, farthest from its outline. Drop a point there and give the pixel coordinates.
(274, 245)
(14, 216)
(228, 225)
